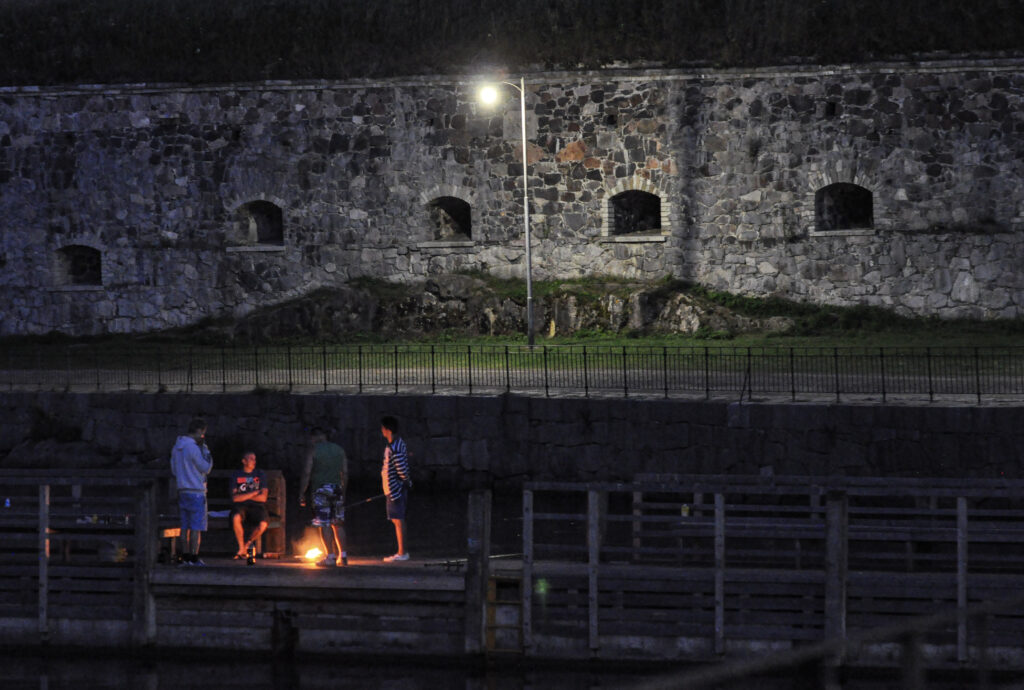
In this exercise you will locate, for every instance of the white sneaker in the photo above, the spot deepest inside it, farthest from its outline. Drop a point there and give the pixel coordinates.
(397, 557)
(327, 561)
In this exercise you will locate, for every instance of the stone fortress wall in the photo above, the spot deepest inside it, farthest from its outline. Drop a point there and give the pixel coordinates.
(134, 208)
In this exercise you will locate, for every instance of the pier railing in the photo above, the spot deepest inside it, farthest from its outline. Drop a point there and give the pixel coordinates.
(716, 563)
(79, 545)
(881, 373)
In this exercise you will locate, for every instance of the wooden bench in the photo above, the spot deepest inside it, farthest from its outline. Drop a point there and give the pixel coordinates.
(274, 541)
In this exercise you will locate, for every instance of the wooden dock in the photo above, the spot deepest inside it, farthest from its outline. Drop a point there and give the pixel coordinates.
(682, 568)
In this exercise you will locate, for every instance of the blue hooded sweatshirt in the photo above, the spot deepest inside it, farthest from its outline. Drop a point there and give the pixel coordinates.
(190, 463)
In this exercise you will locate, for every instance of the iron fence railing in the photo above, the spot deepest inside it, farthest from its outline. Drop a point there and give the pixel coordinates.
(794, 372)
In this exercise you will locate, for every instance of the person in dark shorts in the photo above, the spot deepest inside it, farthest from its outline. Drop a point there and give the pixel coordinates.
(396, 482)
(326, 472)
(249, 493)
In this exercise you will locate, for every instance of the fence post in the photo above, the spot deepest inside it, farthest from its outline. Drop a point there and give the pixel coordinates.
(143, 602)
(593, 562)
(913, 671)
(478, 555)
(625, 376)
(508, 374)
(881, 365)
(961, 579)
(128, 359)
(256, 363)
(44, 561)
(836, 529)
(835, 365)
(928, 359)
(526, 590)
(288, 357)
(191, 386)
(395, 360)
(586, 375)
(469, 367)
(360, 362)
(977, 373)
(707, 374)
(323, 362)
(748, 378)
(547, 392)
(792, 373)
(433, 376)
(223, 370)
(719, 574)
(664, 367)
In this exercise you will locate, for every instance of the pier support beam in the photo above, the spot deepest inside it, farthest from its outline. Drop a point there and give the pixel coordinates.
(146, 542)
(836, 560)
(478, 556)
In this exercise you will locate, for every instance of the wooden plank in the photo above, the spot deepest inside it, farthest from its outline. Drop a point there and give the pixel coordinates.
(371, 624)
(414, 579)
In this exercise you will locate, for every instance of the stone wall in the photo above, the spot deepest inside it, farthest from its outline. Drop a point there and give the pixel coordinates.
(509, 439)
(157, 180)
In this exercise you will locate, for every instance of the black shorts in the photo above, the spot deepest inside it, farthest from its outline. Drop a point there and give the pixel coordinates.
(252, 513)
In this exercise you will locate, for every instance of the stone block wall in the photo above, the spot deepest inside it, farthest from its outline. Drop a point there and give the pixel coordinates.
(511, 439)
(156, 180)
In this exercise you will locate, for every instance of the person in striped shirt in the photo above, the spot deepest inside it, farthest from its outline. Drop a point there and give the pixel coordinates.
(395, 478)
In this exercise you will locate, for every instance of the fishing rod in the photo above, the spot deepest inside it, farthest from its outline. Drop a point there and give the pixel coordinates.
(361, 502)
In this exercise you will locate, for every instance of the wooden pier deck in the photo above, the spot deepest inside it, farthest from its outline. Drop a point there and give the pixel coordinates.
(681, 568)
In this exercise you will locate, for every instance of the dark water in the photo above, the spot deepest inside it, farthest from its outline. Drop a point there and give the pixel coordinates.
(77, 671)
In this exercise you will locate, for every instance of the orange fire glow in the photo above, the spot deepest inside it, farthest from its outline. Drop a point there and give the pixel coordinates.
(314, 554)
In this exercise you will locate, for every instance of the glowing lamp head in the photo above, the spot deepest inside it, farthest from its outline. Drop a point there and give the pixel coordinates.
(489, 95)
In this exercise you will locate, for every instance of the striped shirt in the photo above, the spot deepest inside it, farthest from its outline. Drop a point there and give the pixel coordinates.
(396, 468)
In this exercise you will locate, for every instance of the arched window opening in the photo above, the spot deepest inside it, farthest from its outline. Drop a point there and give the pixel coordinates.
(843, 206)
(261, 222)
(635, 212)
(80, 265)
(450, 218)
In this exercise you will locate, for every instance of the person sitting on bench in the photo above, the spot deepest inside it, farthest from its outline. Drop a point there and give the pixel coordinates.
(249, 503)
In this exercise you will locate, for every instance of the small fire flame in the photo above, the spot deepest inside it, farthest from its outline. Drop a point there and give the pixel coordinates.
(314, 554)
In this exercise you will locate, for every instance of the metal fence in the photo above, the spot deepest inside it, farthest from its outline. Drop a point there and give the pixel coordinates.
(881, 373)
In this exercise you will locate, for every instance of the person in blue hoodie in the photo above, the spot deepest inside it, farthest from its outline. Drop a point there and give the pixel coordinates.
(190, 464)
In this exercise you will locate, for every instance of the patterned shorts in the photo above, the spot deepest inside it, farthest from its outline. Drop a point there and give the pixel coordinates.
(328, 506)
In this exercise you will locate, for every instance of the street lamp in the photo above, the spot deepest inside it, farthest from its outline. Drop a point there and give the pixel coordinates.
(489, 94)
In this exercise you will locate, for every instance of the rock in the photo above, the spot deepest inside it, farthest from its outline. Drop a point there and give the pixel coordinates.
(468, 306)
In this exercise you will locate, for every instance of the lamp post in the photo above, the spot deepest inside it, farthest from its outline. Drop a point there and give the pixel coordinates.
(489, 95)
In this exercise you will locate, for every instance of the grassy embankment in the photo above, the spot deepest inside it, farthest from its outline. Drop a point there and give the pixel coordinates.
(813, 325)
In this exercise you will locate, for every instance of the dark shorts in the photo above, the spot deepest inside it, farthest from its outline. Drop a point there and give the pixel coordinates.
(396, 508)
(328, 506)
(252, 513)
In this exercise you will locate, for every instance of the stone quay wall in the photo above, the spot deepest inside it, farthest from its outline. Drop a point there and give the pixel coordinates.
(504, 440)
(131, 208)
